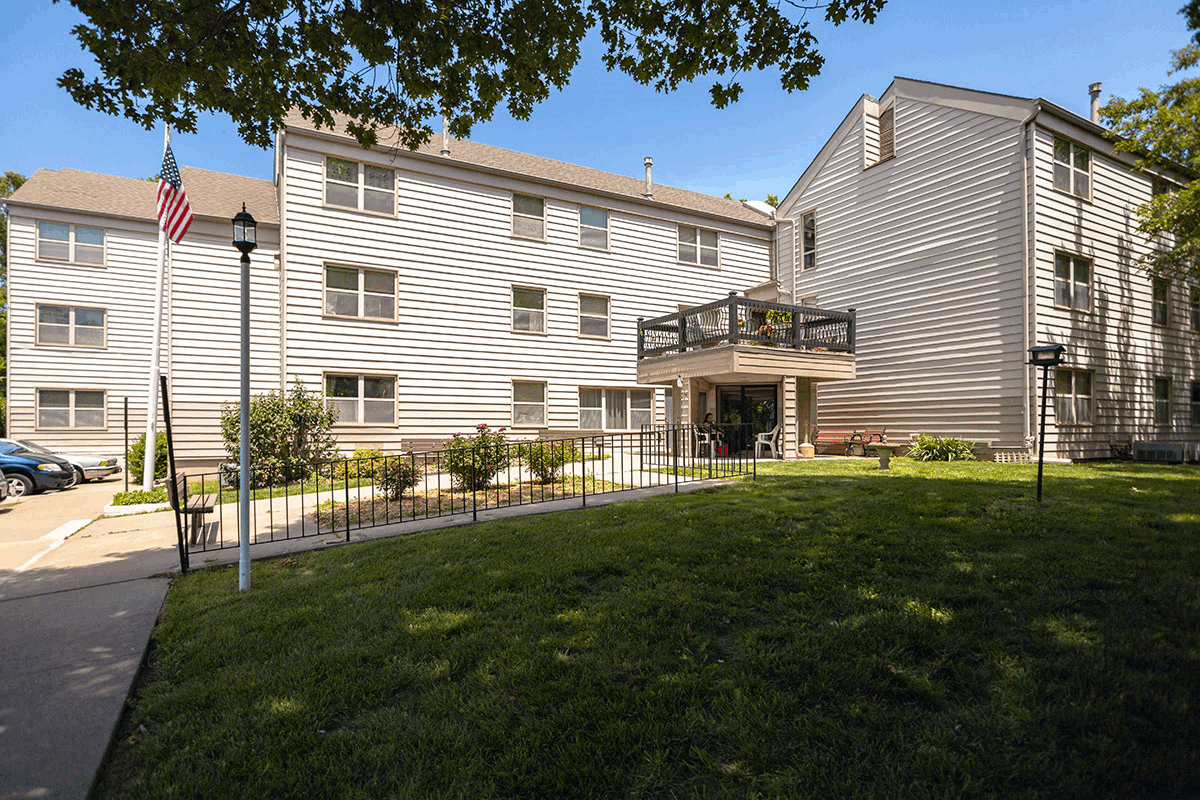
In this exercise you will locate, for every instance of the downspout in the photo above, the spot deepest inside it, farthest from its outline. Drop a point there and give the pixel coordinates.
(790, 291)
(1028, 200)
(281, 258)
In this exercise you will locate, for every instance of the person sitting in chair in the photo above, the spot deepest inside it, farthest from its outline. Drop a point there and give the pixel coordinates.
(710, 435)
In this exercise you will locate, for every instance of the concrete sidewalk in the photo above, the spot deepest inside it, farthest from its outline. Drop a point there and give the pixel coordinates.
(76, 624)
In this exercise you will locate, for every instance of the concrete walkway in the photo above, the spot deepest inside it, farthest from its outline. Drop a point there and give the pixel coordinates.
(78, 604)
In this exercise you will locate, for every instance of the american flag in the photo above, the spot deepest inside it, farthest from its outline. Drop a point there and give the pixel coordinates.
(174, 213)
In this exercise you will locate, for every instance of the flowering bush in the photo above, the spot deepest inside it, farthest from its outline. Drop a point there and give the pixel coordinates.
(474, 461)
(544, 459)
(397, 475)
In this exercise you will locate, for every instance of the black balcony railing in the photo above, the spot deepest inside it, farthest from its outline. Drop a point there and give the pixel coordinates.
(738, 320)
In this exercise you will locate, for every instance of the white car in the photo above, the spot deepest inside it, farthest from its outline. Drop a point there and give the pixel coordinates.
(87, 467)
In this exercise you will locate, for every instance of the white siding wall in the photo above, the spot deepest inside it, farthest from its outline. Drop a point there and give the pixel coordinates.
(928, 248)
(1116, 339)
(452, 351)
(200, 346)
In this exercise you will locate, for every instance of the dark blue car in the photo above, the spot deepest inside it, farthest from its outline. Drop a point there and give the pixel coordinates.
(28, 472)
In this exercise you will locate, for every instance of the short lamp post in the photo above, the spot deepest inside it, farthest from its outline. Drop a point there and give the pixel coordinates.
(245, 241)
(1044, 356)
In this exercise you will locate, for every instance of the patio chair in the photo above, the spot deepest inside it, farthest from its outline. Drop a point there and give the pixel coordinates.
(707, 443)
(768, 440)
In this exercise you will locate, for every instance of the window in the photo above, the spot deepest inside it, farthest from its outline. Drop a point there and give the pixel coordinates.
(808, 240)
(1072, 168)
(1162, 401)
(366, 293)
(808, 302)
(1072, 282)
(1194, 307)
(1073, 397)
(887, 134)
(58, 241)
(529, 404)
(362, 399)
(528, 217)
(528, 310)
(1161, 302)
(71, 408)
(67, 325)
(365, 187)
(593, 228)
(593, 315)
(698, 246)
(1195, 403)
(615, 409)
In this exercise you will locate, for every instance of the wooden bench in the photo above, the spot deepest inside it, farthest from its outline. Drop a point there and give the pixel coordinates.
(195, 506)
(847, 440)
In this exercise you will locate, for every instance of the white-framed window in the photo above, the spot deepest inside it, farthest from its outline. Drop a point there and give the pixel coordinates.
(360, 292)
(698, 246)
(1072, 168)
(1160, 302)
(887, 133)
(593, 228)
(1073, 397)
(1162, 401)
(362, 399)
(72, 408)
(528, 217)
(71, 326)
(1072, 282)
(615, 409)
(594, 316)
(528, 404)
(74, 244)
(1196, 404)
(808, 240)
(528, 309)
(808, 302)
(361, 186)
(1194, 307)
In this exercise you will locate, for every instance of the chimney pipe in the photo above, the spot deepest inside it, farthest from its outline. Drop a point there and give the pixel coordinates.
(649, 194)
(445, 136)
(1094, 91)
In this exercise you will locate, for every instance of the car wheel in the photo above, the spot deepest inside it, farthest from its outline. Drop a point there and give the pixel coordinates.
(79, 479)
(19, 485)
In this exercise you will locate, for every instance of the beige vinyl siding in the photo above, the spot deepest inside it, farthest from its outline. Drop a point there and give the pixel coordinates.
(452, 348)
(200, 351)
(928, 248)
(1117, 341)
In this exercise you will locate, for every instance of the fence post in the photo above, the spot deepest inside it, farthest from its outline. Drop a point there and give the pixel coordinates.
(585, 472)
(346, 478)
(675, 451)
(474, 481)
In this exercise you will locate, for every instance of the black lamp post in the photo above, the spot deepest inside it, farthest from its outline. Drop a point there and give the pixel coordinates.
(1044, 356)
(244, 240)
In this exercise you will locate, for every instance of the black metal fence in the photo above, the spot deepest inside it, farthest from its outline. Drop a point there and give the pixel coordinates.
(340, 496)
(736, 320)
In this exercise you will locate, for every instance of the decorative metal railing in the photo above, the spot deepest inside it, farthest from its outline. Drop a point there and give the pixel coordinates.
(739, 320)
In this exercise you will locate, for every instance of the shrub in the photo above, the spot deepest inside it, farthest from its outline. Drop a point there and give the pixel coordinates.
(398, 475)
(546, 458)
(133, 498)
(136, 459)
(289, 432)
(936, 448)
(474, 461)
(364, 463)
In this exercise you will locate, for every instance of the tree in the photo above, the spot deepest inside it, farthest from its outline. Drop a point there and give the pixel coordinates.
(1163, 129)
(12, 181)
(391, 62)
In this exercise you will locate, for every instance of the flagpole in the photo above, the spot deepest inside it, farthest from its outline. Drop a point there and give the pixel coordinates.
(155, 346)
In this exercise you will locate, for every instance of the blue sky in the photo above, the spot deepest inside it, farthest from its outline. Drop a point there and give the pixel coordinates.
(760, 145)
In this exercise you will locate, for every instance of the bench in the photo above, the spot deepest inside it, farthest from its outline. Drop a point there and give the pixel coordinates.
(196, 506)
(847, 440)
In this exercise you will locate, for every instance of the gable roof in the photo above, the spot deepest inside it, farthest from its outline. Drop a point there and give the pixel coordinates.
(211, 194)
(497, 160)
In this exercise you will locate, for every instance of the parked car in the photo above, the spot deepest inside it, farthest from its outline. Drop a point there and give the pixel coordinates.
(27, 472)
(87, 467)
(3, 486)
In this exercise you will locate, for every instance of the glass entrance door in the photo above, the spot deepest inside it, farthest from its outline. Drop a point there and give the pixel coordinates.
(748, 410)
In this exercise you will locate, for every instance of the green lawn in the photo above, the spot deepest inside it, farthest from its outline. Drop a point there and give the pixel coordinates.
(829, 631)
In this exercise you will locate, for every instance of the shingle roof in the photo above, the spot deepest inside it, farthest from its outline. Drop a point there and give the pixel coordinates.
(545, 170)
(211, 194)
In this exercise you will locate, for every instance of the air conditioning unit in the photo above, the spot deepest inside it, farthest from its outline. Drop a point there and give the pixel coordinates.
(1166, 452)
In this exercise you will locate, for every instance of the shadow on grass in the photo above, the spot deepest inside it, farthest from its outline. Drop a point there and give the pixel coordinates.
(821, 632)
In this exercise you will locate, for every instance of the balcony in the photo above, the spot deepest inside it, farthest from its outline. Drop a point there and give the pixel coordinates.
(738, 339)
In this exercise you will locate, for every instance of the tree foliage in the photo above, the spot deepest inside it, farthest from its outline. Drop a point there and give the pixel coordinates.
(1163, 129)
(397, 62)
